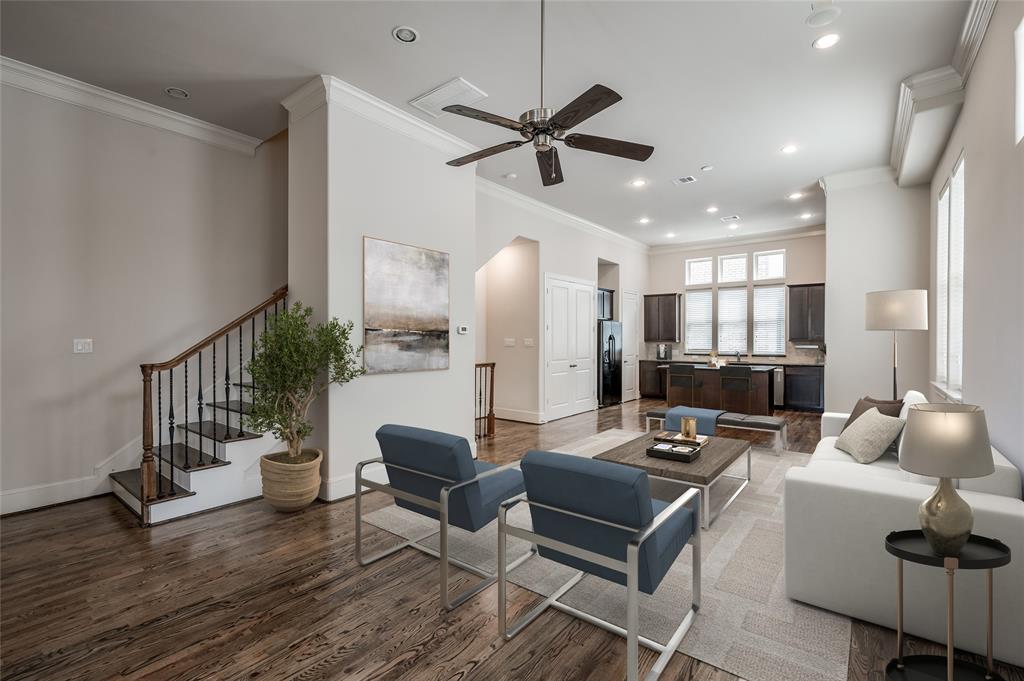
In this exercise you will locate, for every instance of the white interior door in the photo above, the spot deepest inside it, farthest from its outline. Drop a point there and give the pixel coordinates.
(570, 382)
(630, 345)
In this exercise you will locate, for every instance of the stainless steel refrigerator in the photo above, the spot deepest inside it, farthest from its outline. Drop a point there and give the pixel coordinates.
(609, 380)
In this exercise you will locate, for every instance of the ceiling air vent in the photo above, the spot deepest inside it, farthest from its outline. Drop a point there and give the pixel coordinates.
(689, 179)
(455, 91)
(730, 218)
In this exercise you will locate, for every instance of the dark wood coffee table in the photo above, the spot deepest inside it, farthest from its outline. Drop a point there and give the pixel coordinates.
(716, 457)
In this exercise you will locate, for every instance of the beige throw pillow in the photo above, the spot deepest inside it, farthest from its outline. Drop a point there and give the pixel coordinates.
(869, 436)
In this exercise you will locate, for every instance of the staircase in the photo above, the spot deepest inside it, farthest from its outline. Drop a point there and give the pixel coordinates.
(202, 457)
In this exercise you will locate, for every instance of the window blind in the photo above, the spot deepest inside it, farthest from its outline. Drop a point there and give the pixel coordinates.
(955, 344)
(770, 320)
(942, 287)
(698, 321)
(732, 268)
(770, 265)
(698, 272)
(732, 320)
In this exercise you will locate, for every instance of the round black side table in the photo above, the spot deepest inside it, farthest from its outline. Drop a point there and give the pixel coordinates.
(980, 553)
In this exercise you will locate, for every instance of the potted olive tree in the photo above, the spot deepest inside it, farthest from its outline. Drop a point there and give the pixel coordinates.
(295, 361)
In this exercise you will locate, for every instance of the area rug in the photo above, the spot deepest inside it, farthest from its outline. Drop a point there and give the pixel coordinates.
(746, 625)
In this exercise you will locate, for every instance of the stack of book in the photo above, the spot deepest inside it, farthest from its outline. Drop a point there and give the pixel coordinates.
(674, 446)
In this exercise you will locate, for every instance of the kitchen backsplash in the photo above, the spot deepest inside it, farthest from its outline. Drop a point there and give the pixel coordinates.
(794, 355)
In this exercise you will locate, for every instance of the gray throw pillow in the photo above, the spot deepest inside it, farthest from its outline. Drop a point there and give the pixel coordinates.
(887, 407)
(869, 436)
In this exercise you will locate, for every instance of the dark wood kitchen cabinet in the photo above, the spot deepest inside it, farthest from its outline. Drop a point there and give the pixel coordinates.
(807, 313)
(661, 318)
(652, 379)
(805, 388)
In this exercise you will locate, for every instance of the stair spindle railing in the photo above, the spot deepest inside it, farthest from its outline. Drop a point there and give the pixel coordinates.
(152, 471)
(483, 391)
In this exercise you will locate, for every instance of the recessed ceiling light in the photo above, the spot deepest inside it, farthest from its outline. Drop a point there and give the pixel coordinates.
(177, 92)
(644, 220)
(670, 235)
(734, 225)
(510, 176)
(638, 182)
(711, 209)
(826, 41)
(706, 168)
(806, 216)
(795, 195)
(788, 149)
(405, 34)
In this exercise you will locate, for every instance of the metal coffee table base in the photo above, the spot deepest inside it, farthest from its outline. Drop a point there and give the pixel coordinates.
(706, 516)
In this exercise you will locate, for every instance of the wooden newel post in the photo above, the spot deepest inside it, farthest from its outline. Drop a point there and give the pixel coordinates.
(148, 468)
(490, 407)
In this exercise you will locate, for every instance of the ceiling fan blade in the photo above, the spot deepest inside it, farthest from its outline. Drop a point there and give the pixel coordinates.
(479, 115)
(550, 168)
(594, 100)
(484, 153)
(606, 145)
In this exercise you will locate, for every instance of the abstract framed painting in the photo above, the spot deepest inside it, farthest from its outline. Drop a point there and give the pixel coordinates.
(405, 307)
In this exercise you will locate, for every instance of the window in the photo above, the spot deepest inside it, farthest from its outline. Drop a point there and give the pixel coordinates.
(949, 283)
(1018, 38)
(698, 321)
(698, 272)
(732, 320)
(732, 268)
(770, 265)
(770, 320)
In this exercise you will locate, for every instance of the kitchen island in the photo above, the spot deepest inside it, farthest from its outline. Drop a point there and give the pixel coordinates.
(707, 393)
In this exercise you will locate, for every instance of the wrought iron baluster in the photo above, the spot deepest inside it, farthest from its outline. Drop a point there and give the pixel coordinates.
(159, 436)
(227, 384)
(184, 438)
(199, 410)
(241, 394)
(252, 357)
(264, 320)
(213, 455)
(170, 422)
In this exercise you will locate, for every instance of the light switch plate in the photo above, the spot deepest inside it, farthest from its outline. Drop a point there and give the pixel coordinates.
(81, 346)
(510, 342)
(528, 342)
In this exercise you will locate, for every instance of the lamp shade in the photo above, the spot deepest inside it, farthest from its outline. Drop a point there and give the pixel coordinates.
(904, 310)
(946, 441)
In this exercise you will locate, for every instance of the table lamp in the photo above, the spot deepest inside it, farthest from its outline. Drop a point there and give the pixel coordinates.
(946, 441)
(902, 310)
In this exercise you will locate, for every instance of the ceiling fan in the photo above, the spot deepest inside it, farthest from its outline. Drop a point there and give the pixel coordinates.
(543, 127)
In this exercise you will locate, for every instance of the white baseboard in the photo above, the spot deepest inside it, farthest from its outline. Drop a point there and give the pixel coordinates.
(521, 415)
(47, 494)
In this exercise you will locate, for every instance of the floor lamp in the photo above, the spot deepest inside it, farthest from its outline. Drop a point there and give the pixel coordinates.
(903, 310)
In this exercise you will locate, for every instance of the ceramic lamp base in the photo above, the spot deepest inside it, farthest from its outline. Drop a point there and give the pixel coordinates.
(946, 519)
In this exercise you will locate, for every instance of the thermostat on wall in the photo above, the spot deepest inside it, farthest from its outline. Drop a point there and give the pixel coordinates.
(462, 329)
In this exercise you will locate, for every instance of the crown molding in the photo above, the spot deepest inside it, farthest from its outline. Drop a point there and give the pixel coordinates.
(323, 89)
(498, 191)
(70, 91)
(919, 94)
(857, 178)
(766, 237)
(971, 36)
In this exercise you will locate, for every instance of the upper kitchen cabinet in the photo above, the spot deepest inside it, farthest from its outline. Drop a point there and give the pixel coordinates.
(661, 318)
(807, 313)
(605, 303)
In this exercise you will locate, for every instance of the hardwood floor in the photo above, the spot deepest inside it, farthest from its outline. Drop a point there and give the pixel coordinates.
(247, 593)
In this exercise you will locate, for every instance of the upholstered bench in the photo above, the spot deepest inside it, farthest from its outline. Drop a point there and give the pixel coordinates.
(768, 424)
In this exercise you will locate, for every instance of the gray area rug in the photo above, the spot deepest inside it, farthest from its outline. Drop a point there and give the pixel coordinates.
(746, 625)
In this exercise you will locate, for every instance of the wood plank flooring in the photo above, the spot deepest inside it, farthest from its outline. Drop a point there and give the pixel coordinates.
(247, 593)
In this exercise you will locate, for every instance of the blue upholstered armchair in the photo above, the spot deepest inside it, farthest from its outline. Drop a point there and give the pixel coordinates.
(599, 518)
(434, 474)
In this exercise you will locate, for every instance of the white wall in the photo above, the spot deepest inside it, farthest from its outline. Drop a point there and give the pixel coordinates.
(994, 236)
(805, 264)
(513, 310)
(139, 238)
(387, 179)
(877, 239)
(568, 246)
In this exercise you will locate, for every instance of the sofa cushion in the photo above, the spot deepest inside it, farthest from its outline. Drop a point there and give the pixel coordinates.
(867, 438)
(887, 407)
(1005, 481)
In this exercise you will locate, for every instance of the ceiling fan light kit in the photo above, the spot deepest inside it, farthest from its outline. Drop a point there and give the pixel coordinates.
(542, 127)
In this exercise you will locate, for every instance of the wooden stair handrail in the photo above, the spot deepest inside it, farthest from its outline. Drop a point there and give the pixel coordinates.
(278, 296)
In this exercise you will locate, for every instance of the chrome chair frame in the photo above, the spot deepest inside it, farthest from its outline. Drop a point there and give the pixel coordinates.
(441, 506)
(691, 498)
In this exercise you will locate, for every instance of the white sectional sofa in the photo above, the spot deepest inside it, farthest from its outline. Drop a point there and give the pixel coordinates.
(837, 514)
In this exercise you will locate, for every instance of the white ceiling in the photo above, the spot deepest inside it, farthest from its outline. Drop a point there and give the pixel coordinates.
(724, 83)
